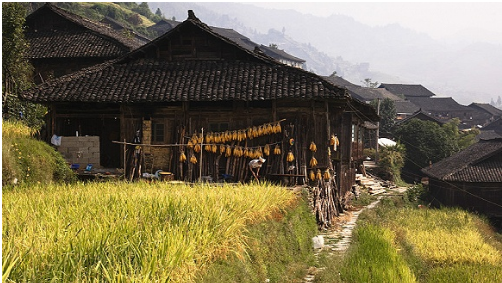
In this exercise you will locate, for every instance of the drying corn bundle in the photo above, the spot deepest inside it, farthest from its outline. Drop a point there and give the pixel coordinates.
(228, 151)
(277, 150)
(313, 162)
(190, 144)
(319, 174)
(222, 148)
(183, 157)
(312, 175)
(313, 147)
(193, 159)
(277, 128)
(207, 147)
(266, 150)
(214, 148)
(334, 142)
(327, 175)
(196, 148)
(290, 157)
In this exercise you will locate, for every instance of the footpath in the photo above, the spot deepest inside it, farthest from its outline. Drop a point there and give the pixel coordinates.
(337, 239)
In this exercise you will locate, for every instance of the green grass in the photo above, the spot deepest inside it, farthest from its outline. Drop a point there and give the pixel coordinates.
(279, 249)
(26, 160)
(398, 242)
(120, 232)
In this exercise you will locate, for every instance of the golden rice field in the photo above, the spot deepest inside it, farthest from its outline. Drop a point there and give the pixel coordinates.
(124, 232)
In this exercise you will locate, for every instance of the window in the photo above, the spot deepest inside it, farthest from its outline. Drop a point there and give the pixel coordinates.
(158, 132)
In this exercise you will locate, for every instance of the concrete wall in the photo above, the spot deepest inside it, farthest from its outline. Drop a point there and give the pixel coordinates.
(82, 150)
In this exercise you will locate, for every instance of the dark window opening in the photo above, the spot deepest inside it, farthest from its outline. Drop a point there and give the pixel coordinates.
(158, 132)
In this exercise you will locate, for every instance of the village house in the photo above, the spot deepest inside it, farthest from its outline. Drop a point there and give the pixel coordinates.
(442, 108)
(280, 55)
(471, 179)
(201, 106)
(62, 42)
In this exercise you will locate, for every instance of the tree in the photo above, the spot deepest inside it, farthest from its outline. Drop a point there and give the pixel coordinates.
(387, 114)
(159, 13)
(16, 69)
(425, 142)
(368, 83)
(273, 45)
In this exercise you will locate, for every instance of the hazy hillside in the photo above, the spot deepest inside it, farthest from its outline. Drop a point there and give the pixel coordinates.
(390, 54)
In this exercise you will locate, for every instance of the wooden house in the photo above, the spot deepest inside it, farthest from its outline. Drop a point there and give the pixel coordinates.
(204, 107)
(165, 25)
(62, 42)
(471, 179)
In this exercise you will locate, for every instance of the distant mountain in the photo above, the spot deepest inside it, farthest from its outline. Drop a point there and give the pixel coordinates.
(390, 54)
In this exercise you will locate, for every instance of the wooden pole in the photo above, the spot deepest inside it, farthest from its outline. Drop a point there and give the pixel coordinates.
(125, 160)
(201, 150)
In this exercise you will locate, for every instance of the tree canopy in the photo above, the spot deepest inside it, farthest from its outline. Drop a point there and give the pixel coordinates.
(16, 69)
(387, 114)
(426, 141)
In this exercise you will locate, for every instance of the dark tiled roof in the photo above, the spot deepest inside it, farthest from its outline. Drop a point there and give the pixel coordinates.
(339, 81)
(405, 107)
(363, 93)
(407, 90)
(90, 39)
(480, 162)
(495, 126)
(276, 53)
(421, 116)
(242, 40)
(370, 94)
(439, 104)
(150, 80)
(490, 109)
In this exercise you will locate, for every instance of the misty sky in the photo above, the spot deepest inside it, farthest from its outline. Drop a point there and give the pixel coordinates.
(446, 20)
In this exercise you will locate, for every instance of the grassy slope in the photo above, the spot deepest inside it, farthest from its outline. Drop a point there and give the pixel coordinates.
(26, 160)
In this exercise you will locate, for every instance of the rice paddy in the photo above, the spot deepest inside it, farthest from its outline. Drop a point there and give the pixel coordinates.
(123, 232)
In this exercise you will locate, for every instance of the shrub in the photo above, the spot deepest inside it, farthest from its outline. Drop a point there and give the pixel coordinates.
(392, 161)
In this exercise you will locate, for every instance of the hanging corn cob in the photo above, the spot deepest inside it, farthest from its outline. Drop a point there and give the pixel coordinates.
(209, 138)
(234, 136)
(193, 159)
(255, 132)
(319, 174)
(183, 157)
(249, 133)
(327, 176)
(190, 144)
(196, 148)
(266, 150)
(207, 147)
(277, 150)
(260, 131)
(312, 175)
(277, 127)
(222, 148)
(228, 151)
(313, 147)
(214, 148)
(270, 129)
(246, 152)
(334, 142)
(200, 139)
(313, 162)
(290, 157)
